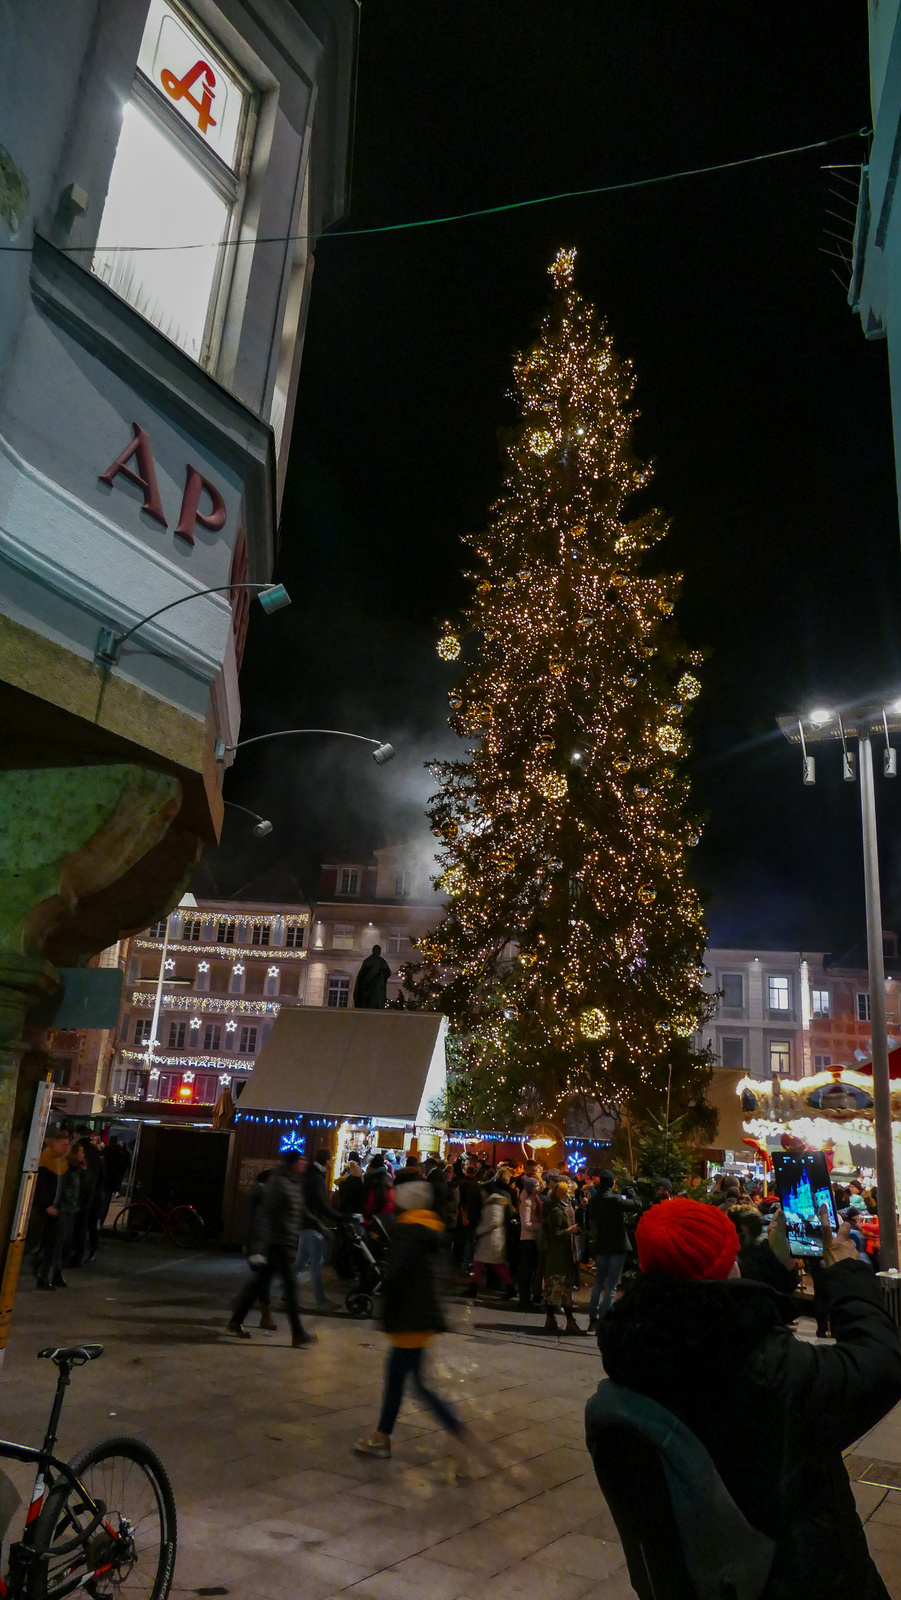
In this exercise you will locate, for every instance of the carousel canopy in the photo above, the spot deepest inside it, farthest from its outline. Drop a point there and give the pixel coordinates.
(350, 1064)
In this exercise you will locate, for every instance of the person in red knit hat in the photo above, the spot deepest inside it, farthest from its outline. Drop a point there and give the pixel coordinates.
(717, 1351)
(685, 1239)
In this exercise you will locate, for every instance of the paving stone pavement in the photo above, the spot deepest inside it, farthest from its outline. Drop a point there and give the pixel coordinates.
(257, 1439)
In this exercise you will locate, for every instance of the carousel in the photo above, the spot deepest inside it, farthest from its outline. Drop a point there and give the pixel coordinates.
(832, 1111)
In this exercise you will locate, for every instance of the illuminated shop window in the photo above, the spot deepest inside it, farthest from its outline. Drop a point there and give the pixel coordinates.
(177, 181)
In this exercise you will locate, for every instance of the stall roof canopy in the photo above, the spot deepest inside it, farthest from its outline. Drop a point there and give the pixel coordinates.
(350, 1063)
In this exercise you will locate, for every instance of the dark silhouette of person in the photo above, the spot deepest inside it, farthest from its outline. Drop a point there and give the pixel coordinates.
(371, 987)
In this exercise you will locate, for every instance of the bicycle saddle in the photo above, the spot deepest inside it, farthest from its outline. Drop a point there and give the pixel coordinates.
(76, 1354)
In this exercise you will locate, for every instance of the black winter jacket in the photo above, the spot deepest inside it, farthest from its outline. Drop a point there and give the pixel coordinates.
(775, 1413)
(278, 1217)
(413, 1267)
(315, 1195)
(605, 1218)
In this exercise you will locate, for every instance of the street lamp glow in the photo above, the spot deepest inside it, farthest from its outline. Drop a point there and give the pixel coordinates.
(820, 717)
(896, 707)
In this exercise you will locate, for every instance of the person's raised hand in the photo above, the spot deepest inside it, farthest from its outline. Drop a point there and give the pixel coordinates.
(777, 1238)
(837, 1246)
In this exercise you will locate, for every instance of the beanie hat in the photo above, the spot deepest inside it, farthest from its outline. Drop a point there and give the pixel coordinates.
(606, 1179)
(686, 1239)
(418, 1196)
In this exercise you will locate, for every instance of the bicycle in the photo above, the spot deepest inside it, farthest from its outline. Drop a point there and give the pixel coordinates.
(183, 1224)
(93, 1523)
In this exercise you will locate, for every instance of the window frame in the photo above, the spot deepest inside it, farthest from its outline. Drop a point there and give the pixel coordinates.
(248, 1031)
(817, 1010)
(864, 996)
(230, 185)
(781, 1045)
(727, 977)
(341, 933)
(191, 930)
(338, 984)
(349, 873)
(226, 929)
(294, 936)
(212, 1036)
(143, 1031)
(732, 1039)
(774, 978)
(261, 935)
(178, 1032)
(401, 884)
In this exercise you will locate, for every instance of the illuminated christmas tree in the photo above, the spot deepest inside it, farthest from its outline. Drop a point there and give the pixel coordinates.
(570, 957)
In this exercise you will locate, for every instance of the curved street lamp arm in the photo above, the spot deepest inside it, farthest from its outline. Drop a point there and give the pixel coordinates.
(283, 733)
(221, 588)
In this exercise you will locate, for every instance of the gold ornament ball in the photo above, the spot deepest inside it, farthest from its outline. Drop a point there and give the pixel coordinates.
(666, 606)
(449, 647)
(554, 786)
(689, 686)
(454, 880)
(541, 442)
(621, 765)
(647, 893)
(669, 738)
(594, 1023)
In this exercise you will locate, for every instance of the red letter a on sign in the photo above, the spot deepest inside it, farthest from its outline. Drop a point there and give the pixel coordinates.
(214, 520)
(145, 477)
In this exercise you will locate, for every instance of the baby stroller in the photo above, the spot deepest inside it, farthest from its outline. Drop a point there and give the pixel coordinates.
(367, 1245)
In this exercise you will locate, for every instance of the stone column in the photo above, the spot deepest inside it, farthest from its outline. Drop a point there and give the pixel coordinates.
(68, 837)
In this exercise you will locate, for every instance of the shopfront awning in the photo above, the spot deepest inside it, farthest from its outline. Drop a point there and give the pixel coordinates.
(350, 1064)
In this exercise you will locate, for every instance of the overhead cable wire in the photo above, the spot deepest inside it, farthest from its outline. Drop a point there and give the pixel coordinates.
(464, 216)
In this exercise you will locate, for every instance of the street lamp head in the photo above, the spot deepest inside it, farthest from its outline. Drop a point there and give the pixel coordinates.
(820, 717)
(383, 753)
(262, 828)
(274, 599)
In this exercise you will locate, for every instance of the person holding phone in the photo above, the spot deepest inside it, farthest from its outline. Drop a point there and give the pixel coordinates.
(716, 1350)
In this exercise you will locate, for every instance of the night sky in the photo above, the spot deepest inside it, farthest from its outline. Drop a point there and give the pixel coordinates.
(765, 410)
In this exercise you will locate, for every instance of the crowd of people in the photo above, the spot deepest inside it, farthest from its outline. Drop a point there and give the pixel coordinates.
(78, 1174)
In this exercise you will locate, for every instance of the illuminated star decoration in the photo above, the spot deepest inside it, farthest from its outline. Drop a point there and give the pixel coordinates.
(570, 958)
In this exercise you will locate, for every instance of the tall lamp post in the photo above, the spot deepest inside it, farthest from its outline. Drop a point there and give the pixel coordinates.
(859, 722)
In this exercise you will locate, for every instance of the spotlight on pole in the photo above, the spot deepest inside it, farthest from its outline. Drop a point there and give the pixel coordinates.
(262, 828)
(383, 753)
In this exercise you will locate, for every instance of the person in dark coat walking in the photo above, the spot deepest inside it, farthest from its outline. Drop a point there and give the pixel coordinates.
(318, 1211)
(411, 1311)
(608, 1243)
(86, 1224)
(371, 987)
(716, 1350)
(277, 1223)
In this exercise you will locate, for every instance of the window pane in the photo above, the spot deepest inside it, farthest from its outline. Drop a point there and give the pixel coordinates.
(780, 1057)
(157, 196)
(733, 1053)
(733, 992)
(213, 103)
(819, 1002)
(863, 1007)
(780, 994)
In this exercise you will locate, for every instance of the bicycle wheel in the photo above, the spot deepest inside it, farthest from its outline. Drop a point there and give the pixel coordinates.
(132, 1551)
(186, 1227)
(134, 1221)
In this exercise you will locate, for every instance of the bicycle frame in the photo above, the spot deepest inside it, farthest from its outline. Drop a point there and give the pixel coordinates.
(24, 1553)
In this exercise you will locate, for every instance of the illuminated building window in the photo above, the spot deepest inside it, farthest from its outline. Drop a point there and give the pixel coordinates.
(780, 994)
(177, 180)
(225, 933)
(338, 993)
(261, 935)
(343, 937)
(732, 1054)
(780, 1057)
(294, 937)
(349, 880)
(212, 1035)
(863, 1006)
(733, 989)
(402, 883)
(177, 1031)
(820, 1005)
(248, 1041)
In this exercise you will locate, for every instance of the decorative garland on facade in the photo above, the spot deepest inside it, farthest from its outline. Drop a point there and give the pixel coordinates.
(196, 1002)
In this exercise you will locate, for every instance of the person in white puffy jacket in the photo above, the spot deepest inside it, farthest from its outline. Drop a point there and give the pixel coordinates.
(491, 1248)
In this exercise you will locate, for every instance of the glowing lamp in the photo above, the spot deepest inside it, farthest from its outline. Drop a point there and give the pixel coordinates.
(820, 717)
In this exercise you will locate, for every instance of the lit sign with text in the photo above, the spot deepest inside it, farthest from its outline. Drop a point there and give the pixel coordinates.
(194, 79)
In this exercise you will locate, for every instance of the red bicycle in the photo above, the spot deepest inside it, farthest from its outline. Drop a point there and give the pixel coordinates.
(183, 1224)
